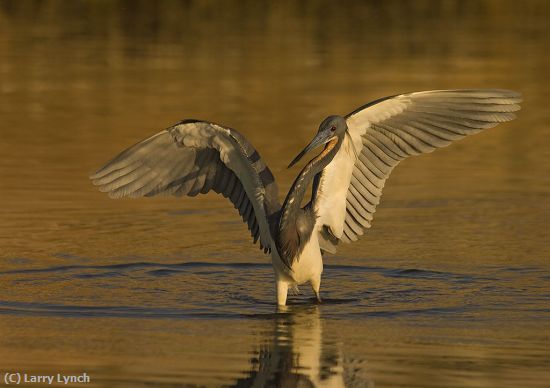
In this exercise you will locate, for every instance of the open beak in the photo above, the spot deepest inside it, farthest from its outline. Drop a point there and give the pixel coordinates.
(318, 140)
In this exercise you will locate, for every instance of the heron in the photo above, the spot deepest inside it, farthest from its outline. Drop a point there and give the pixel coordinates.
(359, 151)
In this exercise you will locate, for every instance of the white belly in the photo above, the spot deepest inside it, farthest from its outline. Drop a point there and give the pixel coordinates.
(307, 267)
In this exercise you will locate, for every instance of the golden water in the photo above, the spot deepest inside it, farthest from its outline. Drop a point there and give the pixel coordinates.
(451, 286)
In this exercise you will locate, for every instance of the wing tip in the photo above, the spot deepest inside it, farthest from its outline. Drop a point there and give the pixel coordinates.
(96, 175)
(496, 92)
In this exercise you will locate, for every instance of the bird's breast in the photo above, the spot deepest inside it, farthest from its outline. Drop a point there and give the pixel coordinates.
(306, 265)
(309, 263)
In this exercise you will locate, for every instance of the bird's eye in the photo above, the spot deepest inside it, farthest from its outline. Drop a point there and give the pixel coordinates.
(333, 128)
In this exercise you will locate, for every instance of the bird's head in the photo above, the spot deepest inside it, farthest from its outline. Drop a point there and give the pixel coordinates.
(333, 128)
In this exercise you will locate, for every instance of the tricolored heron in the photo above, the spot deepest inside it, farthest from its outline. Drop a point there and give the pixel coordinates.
(360, 151)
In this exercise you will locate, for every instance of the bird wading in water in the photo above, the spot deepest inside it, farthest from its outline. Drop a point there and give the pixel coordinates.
(347, 176)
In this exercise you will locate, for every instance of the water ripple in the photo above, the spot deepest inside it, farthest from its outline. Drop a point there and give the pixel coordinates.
(230, 290)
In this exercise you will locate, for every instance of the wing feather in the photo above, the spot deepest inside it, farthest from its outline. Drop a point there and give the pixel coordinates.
(387, 131)
(195, 157)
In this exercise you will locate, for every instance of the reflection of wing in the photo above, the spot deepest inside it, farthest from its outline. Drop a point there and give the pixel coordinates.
(383, 133)
(195, 157)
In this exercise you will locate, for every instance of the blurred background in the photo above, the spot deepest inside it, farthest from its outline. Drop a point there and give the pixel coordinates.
(450, 284)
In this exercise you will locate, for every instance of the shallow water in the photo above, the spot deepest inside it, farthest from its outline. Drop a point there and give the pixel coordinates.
(450, 287)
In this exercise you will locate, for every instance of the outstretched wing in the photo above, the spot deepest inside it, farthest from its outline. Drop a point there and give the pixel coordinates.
(195, 157)
(383, 133)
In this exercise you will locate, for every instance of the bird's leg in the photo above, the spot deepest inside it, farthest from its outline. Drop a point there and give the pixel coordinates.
(316, 286)
(282, 291)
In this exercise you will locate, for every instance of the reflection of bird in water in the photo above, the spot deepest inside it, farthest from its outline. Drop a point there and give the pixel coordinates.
(299, 356)
(360, 151)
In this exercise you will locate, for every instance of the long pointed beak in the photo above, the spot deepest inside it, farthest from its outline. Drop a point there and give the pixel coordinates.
(318, 140)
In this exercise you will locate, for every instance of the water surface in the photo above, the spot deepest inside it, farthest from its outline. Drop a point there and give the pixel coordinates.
(450, 287)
